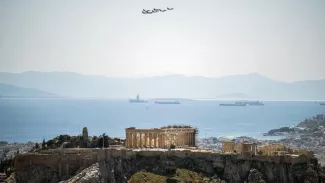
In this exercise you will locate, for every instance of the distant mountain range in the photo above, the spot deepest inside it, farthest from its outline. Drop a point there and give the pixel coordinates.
(8, 91)
(251, 86)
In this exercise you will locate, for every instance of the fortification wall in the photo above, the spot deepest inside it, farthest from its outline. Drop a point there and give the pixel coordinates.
(62, 163)
(68, 161)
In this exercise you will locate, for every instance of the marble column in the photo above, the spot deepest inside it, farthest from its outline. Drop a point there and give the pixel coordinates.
(130, 140)
(183, 139)
(150, 140)
(170, 139)
(145, 139)
(188, 139)
(164, 140)
(160, 140)
(192, 139)
(134, 140)
(155, 140)
(138, 140)
(180, 139)
(174, 139)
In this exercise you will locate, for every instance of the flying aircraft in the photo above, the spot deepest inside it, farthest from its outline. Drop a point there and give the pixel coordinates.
(155, 10)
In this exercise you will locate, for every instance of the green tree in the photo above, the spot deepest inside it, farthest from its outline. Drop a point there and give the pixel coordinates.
(103, 141)
(43, 144)
(36, 146)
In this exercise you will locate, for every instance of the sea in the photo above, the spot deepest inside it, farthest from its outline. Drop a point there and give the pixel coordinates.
(23, 120)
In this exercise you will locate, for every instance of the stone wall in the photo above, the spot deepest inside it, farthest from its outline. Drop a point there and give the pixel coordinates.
(62, 164)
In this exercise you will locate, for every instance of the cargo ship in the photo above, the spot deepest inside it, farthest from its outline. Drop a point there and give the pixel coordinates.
(234, 104)
(167, 102)
(252, 103)
(137, 100)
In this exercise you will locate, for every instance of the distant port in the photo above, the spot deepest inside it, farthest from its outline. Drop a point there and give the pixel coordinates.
(233, 104)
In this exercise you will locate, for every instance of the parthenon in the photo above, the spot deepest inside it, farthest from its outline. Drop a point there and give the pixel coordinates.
(164, 137)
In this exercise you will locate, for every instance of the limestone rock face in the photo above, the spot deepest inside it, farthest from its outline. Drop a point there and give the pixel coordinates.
(11, 179)
(91, 174)
(255, 176)
(221, 168)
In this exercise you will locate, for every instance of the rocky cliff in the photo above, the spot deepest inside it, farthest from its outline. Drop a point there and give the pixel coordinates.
(91, 174)
(119, 166)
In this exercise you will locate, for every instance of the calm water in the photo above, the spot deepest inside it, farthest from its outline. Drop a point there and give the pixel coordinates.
(34, 119)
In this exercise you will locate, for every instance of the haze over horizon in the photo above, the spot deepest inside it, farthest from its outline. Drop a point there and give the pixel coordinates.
(281, 40)
(166, 75)
(250, 86)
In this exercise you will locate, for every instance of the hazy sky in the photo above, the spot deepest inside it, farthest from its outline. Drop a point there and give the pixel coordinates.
(281, 39)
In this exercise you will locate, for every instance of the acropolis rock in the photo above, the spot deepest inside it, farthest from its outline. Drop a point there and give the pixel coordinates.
(118, 165)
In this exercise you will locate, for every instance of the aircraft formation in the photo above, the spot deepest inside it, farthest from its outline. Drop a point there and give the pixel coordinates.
(154, 10)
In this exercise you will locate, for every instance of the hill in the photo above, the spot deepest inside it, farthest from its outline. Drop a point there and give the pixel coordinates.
(256, 86)
(8, 91)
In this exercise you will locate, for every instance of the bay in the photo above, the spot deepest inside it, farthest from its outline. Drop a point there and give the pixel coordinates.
(23, 120)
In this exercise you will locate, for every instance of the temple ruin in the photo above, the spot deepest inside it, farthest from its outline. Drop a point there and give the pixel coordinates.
(241, 147)
(164, 137)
